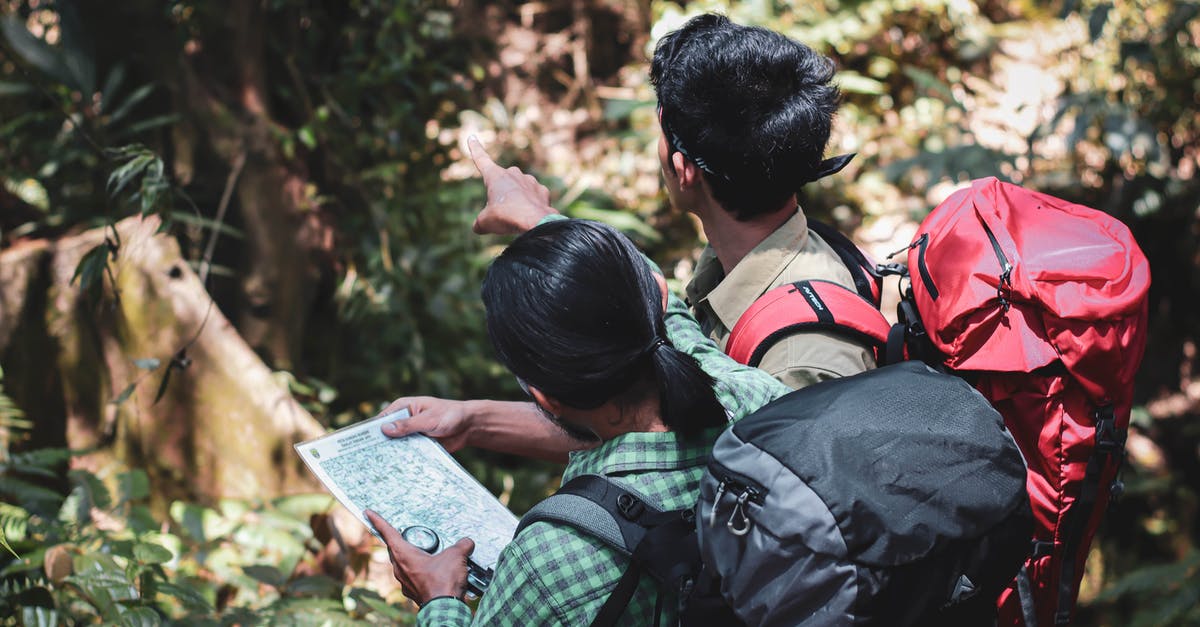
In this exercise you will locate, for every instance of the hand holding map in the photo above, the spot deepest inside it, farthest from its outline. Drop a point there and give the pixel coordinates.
(410, 481)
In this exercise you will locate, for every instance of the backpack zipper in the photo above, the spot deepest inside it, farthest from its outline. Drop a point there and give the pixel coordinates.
(1005, 286)
(745, 491)
(921, 243)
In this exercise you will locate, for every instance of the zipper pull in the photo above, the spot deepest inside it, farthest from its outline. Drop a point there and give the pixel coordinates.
(1005, 287)
(743, 527)
(914, 244)
(712, 514)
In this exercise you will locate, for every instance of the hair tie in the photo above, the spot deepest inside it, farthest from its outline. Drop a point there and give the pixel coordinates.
(653, 346)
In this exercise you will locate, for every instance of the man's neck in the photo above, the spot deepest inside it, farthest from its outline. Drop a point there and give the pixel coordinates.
(732, 239)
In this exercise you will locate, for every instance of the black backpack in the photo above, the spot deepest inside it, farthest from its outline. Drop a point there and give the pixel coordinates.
(895, 497)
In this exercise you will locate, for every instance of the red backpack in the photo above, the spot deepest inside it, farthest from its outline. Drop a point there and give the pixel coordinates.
(1041, 304)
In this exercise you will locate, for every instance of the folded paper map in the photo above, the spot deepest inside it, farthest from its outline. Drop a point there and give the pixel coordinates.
(409, 481)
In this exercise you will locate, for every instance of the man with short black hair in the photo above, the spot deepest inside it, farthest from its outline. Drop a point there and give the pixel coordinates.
(746, 114)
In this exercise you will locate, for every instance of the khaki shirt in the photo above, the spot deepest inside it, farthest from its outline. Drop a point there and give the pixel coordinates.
(792, 253)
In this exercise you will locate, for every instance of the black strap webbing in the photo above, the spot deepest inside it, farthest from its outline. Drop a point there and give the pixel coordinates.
(612, 609)
(866, 279)
(659, 544)
(1109, 448)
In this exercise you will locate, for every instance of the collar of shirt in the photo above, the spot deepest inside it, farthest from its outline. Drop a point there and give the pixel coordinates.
(730, 295)
(639, 451)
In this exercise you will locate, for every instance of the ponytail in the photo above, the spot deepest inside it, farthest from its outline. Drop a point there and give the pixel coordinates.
(573, 309)
(685, 392)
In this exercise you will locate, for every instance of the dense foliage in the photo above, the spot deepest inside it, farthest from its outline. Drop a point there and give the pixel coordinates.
(359, 110)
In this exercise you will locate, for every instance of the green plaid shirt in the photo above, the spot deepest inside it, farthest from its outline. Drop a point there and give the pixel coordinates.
(552, 574)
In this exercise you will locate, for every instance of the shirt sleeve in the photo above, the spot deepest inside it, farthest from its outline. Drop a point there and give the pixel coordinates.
(444, 611)
(807, 358)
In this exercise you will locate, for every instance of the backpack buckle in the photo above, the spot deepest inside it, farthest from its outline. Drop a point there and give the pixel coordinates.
(630, 506)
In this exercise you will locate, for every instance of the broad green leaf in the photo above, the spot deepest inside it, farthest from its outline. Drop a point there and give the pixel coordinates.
(93, 488)
(134, 485)
(190, 597)
(148, 553)
(36, 52)
(201, 523)
(315, 586)
(140, 617)
(266, 574)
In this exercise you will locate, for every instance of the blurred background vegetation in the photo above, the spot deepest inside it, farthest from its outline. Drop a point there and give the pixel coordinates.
(305, 162)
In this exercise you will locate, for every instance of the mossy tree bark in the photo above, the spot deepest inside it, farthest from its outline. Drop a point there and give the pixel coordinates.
(146, 371)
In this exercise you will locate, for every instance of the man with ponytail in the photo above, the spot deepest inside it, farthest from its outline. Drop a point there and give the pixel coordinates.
(577, 315)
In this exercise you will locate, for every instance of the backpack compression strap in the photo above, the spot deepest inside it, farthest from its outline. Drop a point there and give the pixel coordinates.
(621, 519)
(813, 305)
(867, 280)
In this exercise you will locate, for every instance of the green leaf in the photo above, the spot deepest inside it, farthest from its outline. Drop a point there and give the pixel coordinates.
(28, 494)
(125, 394)
(201, 523)
(853, 82)
(307, 137)
(619, 108)
(620, 220)
(34, 51)
(315, 586)
(33, 560)
(928, 81)
(190, 597)
(140, 617)
(266, 574)
(148, 553)
(133, 485)
(132, 101)
(91, 266)
(94, 490)
(37, 616)
(11, 89)
(301, 506)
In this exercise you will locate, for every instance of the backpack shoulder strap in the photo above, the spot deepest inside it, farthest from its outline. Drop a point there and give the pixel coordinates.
(592, 504)
(813, 305)
(621, 519)
(867, 280)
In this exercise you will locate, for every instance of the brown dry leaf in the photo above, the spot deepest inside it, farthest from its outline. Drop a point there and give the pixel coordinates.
(57, 562)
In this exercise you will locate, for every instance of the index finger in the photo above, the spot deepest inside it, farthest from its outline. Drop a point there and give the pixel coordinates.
(386, 530)
(483, 161)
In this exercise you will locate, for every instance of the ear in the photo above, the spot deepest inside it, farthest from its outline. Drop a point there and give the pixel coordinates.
(688, 172)
(547, 403)
(662, 287)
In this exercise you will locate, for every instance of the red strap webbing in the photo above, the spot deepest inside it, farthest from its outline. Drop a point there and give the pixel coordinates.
(813, 305)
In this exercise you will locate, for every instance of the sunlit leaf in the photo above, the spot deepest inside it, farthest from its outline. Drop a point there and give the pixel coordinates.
(147, 553)
(134, 485)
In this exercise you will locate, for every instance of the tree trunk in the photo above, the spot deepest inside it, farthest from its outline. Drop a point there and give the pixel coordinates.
(151, 374)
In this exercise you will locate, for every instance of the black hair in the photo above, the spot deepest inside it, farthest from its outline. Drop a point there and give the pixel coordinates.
(748, 105)
(574, 310)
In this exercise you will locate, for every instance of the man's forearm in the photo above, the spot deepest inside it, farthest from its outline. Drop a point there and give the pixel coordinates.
(519, 429)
